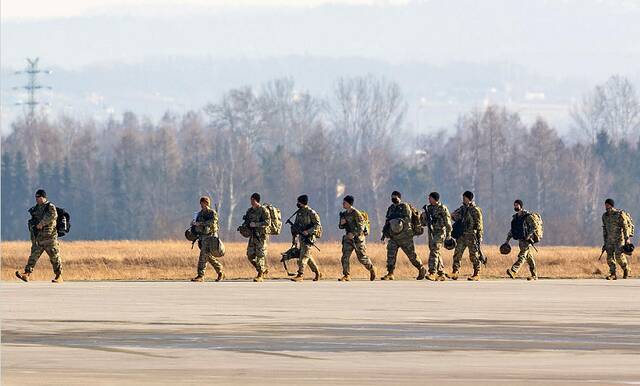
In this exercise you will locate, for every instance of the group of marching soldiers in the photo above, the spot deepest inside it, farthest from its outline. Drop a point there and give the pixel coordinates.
(461, 230)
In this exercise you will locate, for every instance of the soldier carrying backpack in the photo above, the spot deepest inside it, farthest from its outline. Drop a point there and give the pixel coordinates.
(260, 221)
(527, 228)
(617, 229)
(356, 225)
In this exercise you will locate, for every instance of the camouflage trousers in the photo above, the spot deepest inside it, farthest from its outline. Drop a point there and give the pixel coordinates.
(435, 259)
(52, 250)
(408, 247)
(525, 255)
(615, 255)
(306, 258)
(462, 243)
(358, 245)
(207, 245)
(257, 252)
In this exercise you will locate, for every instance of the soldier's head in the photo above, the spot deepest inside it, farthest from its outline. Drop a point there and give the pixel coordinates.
(303, 201)
(396, 197)
(205, 202)
(434, 198)
(347, 202)
(609, 204)
(255, 200)
(41, 196)
(467, 197)
(518, 205)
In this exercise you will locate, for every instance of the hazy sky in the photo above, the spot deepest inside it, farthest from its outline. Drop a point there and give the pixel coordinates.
(21, 9)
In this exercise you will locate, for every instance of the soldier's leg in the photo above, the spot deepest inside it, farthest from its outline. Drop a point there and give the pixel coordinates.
(361, 253)
(532, 263)
(347, 249)
(392, 253)
(474, 253)
(621, 258)
(261, 255)
(251, 253)
(36, 252)
(409, 248)
(461, 245)
(208, 246)
(611, 258)
(53, 251)
(434, 261)
(202, 261)
(305, 255)
(313, 265)
(522, 256)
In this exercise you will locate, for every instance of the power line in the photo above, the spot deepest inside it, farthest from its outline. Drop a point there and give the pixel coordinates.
(32, 86)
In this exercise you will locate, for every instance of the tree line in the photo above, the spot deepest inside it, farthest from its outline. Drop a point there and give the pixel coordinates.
(132, 178)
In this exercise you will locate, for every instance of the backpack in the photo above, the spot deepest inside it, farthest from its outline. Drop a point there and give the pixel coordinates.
(627, 223)
(416, 223)
(63, 223)
(367, 224)
(534, 228)
(275, 225)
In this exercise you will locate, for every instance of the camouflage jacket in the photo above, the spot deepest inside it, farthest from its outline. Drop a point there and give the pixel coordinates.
(309, 220)
(472, 218)
(440, 224)
(44, 214)
(401, 211)
(259, 216)
(209, 222)
(613, 229)
(355, 222)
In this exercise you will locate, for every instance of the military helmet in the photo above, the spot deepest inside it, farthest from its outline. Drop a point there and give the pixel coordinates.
(244, 231)
(627, 249)
(450, 243)
(396, 225)
(189, 235)
(505, 249)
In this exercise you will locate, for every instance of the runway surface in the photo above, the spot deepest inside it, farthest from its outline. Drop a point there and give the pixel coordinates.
(284, 333)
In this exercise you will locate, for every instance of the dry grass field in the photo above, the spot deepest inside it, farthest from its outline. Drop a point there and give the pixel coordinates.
(175, 260)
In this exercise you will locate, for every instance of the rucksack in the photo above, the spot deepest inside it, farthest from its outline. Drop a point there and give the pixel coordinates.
(627, 223)
(534, 228)
(416, 223)
(275, 225)
(63, 223)
(367, 224)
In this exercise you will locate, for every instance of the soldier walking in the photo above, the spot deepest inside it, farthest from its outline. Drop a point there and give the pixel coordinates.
(353, 222)
(616, 233)
(257, 220)
(399, 231)
(438, 222)
(44, 237)
(206, 228)
(470, 217)
(306, 228)
(519, 232)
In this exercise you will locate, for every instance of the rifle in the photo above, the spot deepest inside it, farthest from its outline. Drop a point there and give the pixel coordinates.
(601, 253)
(297, 230)
(481, 256)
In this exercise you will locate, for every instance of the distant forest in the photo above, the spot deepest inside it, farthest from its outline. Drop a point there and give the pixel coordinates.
(131, 178)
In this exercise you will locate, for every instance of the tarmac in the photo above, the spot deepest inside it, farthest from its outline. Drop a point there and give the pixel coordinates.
(283, 333)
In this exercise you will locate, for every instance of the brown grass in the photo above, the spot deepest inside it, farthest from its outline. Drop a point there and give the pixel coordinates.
(174, 260)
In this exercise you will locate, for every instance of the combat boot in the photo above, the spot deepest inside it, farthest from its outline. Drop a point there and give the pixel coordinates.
(23, 276)
(511, 273)
(259, 278)
(475, 276)
(58, 279)
(265, 273)
(221, 276)
(422, 272)
(318, 276)
(388, 276)
(532, 277)
(612, 276)
(372, 274)
(453, 275)
(345, 278)
(297, 278)
(431, 277)
(442, 277)
(198, 279)
(625, 272)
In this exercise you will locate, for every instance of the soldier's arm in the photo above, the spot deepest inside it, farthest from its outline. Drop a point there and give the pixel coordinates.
(477, 222)
(315, 221)
(604, 228)
(406, 214)
(341, 217)
(264, 219)
(447, 223)
(50, 215)
(622, 226)
(359, 228)
(211, 222)
(455, 216)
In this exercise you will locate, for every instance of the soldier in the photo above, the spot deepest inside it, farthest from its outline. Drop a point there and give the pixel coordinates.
(353, 222)
(518, 232)
(471, 217)
(616, 235)
(257, 219)
(438, 222)
(44, 237)
(398, 230)
(305, 229)
(206, 227)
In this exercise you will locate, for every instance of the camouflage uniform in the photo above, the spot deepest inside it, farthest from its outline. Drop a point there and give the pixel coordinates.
(307, 219)
(257, 245)
(45, 239)
(354, 225)
(402, 240)
(208, 231)
(615, 235)
(439, 229)
(525, 246)
(472, 217)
